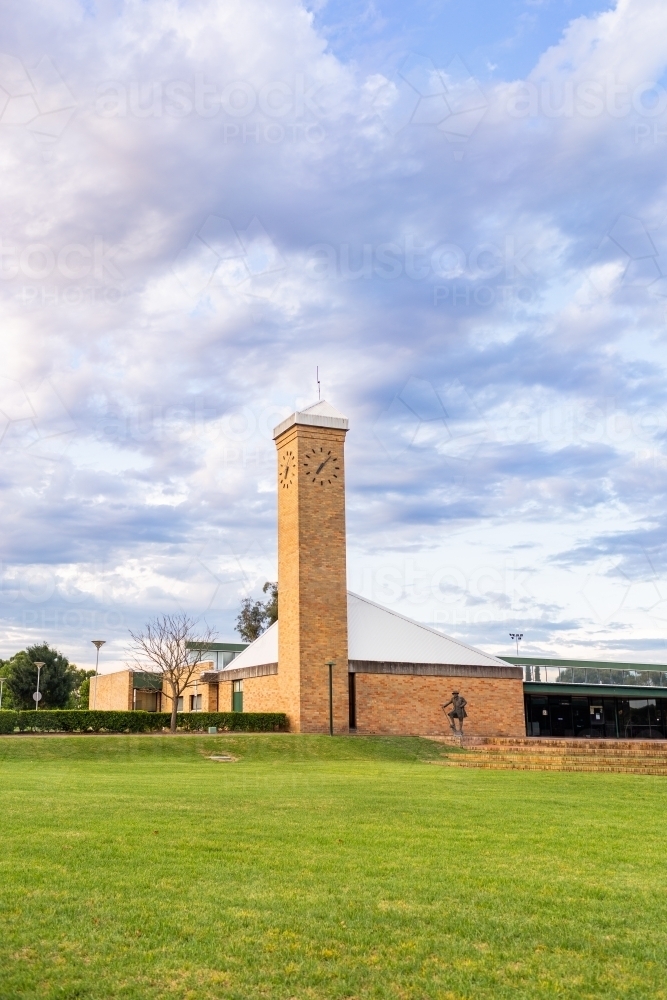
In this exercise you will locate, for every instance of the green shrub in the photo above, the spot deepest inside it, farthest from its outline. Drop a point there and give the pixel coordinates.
(74, 720)
(8, 721)
(78, 720)
(248, 722)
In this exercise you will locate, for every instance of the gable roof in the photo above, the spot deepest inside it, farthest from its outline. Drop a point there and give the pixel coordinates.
(378, 634)
(262, 650)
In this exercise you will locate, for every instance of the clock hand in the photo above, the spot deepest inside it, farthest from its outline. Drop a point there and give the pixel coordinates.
(322, 464)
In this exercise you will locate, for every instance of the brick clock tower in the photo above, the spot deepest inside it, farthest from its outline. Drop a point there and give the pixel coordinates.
(312, 575)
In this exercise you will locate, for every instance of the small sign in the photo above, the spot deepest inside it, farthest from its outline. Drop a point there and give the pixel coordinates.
(37, 696)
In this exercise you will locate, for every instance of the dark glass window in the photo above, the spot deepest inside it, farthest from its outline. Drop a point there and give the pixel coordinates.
(596, 717)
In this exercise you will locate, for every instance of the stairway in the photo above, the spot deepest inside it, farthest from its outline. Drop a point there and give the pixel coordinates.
(545, 754)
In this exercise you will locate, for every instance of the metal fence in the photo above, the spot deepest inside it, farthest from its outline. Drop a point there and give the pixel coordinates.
(595, 675)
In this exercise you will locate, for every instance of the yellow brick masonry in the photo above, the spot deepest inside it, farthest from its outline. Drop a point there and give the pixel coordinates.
(406, 704)
(312, 579)
(209, 692)
(111, 692)
(262, 694)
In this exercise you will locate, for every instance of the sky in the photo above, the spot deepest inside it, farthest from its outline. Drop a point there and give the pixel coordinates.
(456, 211)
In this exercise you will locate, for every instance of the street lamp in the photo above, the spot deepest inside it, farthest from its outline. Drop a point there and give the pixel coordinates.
(517, 636)
(37, 696)
(331, 664)
(97, 643)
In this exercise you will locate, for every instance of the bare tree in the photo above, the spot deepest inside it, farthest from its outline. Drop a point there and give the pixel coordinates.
(175, 646)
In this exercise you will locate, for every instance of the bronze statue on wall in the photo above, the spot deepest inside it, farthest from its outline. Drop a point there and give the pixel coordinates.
(458, 711)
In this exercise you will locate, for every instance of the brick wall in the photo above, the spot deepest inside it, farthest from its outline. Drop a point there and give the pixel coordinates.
(111, 692)
(405, 704)
(224, 696)
(262, 694)
(211, 698)
(312, 580)
(208, 692)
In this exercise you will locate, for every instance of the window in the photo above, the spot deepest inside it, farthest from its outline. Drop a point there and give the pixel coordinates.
(179, 704)
(195, 703)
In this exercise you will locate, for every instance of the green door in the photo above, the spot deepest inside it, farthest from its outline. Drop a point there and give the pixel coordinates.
(237, 696)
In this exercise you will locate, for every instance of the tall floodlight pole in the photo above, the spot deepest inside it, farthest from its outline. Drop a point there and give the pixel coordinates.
(37, 696)
(517, 636)
(331, 664)
(97, 643)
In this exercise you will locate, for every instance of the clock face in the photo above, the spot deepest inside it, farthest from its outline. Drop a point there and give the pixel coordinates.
(287, 469)
(321, 466)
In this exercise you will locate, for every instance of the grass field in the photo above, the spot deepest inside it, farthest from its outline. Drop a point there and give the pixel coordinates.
(134, 867)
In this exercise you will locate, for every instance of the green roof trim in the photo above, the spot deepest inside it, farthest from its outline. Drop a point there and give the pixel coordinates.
(542, 661)
(218, 647)
(595, 690)
(143, 680)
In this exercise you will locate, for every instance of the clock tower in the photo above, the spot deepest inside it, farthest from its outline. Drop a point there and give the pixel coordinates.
(312, 576)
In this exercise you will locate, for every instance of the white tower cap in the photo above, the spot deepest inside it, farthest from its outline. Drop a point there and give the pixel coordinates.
(320, 414)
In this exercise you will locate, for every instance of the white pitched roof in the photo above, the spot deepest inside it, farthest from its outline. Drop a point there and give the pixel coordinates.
(323, 409)
(376, 633)
(262, 650)
(321, 414)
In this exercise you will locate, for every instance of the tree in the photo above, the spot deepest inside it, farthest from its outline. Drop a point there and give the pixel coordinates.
(169, 644)
(7, 701)
(271, 606)
(256, 616)
(80, 695)
(57, 678)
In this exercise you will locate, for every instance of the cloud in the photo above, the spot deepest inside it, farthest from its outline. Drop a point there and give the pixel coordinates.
(225, 209)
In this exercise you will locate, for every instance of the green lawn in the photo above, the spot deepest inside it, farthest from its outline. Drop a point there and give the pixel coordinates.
(134, 867)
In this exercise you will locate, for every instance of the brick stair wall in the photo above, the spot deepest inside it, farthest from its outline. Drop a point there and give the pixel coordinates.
(549, 754)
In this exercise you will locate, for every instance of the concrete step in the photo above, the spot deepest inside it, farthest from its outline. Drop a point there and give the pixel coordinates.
(519, 764)
(574, 754)
(653, 749)
(563, 755)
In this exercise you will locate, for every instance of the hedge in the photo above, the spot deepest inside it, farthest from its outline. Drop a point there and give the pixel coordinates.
(66, 721)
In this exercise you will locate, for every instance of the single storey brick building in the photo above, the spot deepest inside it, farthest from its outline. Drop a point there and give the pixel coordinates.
(335, 658)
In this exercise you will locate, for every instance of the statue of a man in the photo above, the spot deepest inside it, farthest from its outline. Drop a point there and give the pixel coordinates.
(458, 711)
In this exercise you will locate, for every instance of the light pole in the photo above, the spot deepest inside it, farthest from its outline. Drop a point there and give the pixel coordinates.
(37, 696)
(97, 643)
(517, 636)
(331, 664)
(2, 681)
